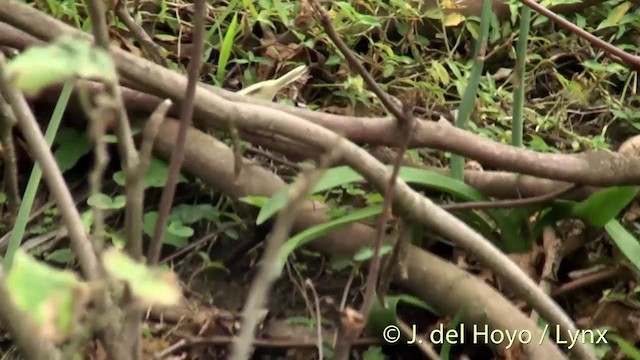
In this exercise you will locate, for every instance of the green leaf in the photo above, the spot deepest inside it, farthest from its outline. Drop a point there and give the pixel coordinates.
(225, 50)
(52, 299)
(190, 214)
(72, 146)
(367, 252)
(105, 202)
(61, 256)
(149, 223)
(155, 177)
(66, 58)
(380, 317)
(509, 225)
(604, 205)
(615, 15)
(625, 241)
(312, 233)
(178, 229)
(150, 286)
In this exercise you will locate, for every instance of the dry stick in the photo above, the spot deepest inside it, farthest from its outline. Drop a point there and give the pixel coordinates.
(627, 58)
(186, 113)
(139, 34)
(126, 147)
(24, 333)
(396, 262)
(96, 118)
(7, 122)
(123, 341)
(404, 118)
(415, 206)
(552, 249)
(509, 203)
(595, 168)
(269, 271)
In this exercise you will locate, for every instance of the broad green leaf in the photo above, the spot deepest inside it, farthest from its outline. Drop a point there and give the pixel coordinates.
(155, 177)
(380, 317)
(150, 286)
(66, 58)
(604, 205)
(315, 232)
(72, 146)
(105, 202)
(190, 214)
(61, 256)
(52, 299)
(149, 223)
(342, 175)
(625, 241)
(178, 229)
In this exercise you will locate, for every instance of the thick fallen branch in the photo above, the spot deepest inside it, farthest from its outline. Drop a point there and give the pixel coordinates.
(597, 168)
(441, 284)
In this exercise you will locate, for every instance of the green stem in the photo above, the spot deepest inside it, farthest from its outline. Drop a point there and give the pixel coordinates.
(34, 179)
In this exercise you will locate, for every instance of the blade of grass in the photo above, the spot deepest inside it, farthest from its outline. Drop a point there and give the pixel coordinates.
(225, 51)
(34, 179)
(471, 90)
(517, 126)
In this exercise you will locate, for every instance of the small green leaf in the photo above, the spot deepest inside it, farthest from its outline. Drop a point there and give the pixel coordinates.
(61, 256)
(149, 223)
(625, 241)
(367, 253)
(508, 223)
(155, 177)
(150, 286)
(52, 299)
(604, 205)
(178, 229)
(190, 214)
(105, 202)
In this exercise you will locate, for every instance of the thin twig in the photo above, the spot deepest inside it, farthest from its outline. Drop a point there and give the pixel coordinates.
(626, 57)
(510, 203)
(268, 273)
(96, 118)
(397, 261)
(186, 113)
(7, 122)
(318, 316)
(404, 119)
(139, 34)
